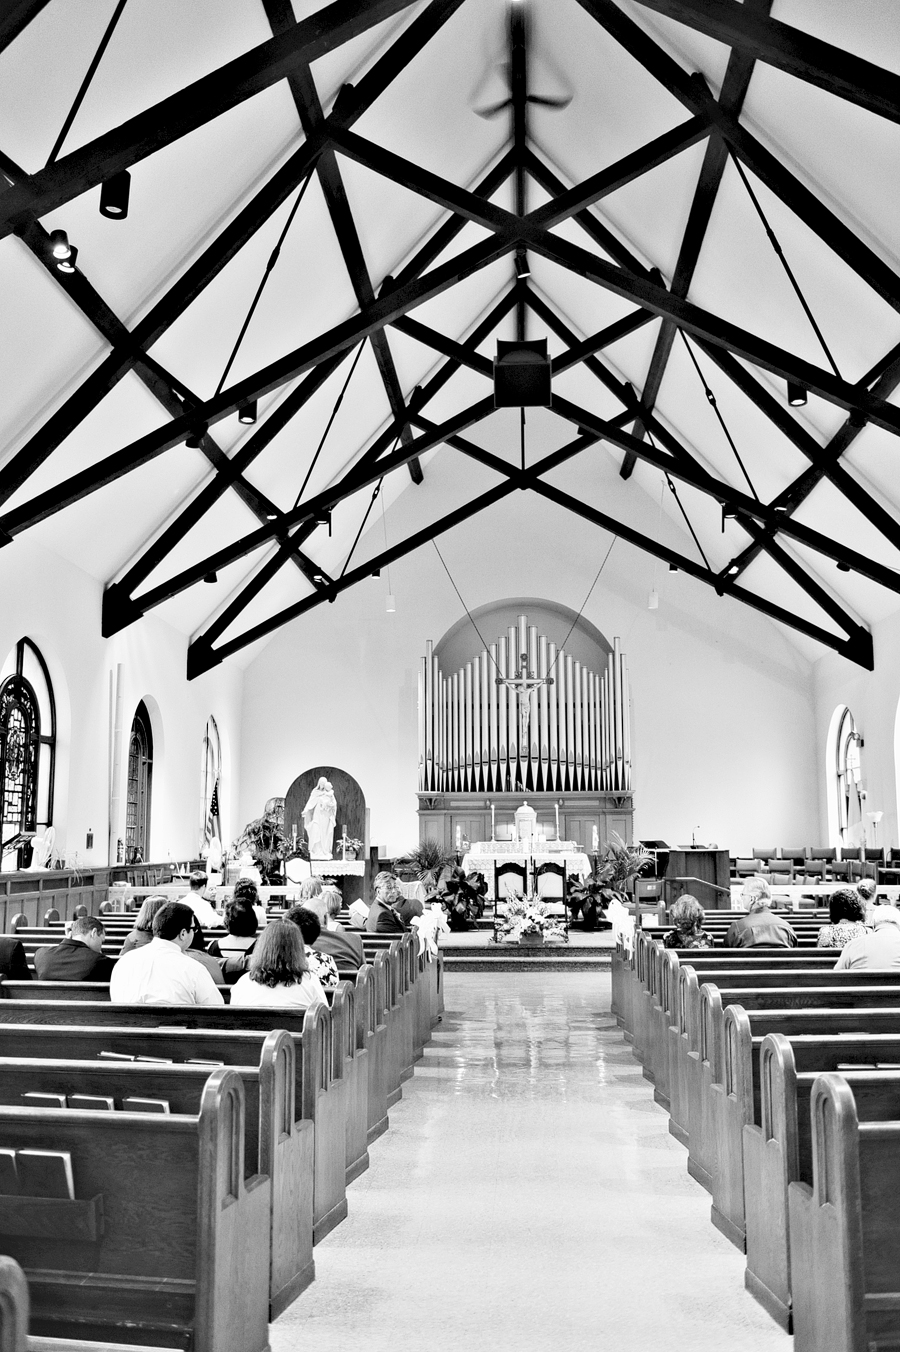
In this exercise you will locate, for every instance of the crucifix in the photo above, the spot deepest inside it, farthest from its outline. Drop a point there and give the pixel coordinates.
(523, 684)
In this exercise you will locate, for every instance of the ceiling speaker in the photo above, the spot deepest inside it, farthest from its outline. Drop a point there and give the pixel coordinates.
(522, 375)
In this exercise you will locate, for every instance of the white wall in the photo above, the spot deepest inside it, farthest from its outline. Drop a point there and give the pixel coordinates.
(58, 607)
(724, 728)
(872, 697)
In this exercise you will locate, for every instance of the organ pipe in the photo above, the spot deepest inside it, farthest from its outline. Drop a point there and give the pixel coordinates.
(578, 736)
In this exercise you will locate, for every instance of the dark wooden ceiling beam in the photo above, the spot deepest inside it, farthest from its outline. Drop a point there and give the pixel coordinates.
(202, 656)
(280, 14)
(693, 93)
(351, 105)
(190, 108)
(734, 89)
(15, 17)
(778, 44)
(338, 339)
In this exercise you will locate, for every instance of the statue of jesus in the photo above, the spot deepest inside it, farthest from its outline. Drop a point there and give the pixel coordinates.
(318, 819)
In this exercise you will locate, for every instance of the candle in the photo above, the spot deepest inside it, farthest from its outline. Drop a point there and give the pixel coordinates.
(556, 809)
(294, 835)
(492, 821)
(595, 840)
(458, 837)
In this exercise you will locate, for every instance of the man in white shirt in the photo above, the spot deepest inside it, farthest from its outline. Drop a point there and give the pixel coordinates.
(161, 973)
(880, 948)
(207, 916)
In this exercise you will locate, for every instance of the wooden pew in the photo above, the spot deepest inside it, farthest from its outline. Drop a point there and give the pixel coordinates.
(14, 1307)
(277, 1144)
(706, 1075)
(845, 1242)
(323, 1097)
(737, 1095)
(778, 1151)
(150, 1252)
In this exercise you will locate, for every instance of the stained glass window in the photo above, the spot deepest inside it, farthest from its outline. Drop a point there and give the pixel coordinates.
(140, 774)
(27, 748)
(848, 772)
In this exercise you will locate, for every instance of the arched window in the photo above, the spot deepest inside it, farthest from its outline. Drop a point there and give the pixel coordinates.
(27, 749)
(140, 777)
(210, 786)
(848, 779)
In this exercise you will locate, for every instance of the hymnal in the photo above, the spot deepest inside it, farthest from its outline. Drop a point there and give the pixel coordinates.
(92, 1102)
(115, 1056)
(146, 1105)
(34, 1099)
(45, 1173)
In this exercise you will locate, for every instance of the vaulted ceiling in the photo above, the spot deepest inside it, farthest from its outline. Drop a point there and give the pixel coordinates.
(335, 213)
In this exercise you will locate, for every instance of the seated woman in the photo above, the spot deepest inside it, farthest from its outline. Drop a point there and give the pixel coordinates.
(279, 973)
(143, 925)
(321, 965)
(846, 912)
(235, 947)
(246, 890)
(688, 917)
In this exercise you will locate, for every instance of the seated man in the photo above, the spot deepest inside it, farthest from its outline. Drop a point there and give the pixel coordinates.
(880, 948)
(345, 948)
(161, 973)
(385, 915)
(205, 912)
(13, 959)
(78, 958)
(760, 928)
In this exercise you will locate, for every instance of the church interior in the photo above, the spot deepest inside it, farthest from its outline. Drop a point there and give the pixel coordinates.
(483, 409)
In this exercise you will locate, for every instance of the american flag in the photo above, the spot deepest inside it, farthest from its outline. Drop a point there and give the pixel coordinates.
(213, 830)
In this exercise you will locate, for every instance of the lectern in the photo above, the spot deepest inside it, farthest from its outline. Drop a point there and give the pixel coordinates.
(703, 872)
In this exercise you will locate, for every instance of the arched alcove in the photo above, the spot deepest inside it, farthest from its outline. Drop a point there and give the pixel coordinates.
(560, 624)
(351, 812)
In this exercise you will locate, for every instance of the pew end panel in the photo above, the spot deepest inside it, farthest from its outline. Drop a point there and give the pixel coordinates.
(325, 1103)
(702, 1144)
(826, 1228)
(14, 1307)
(770, 1164)
(173, 1255)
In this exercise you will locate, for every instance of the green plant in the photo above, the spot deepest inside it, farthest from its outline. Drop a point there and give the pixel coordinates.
(610, 876)
(264, 838)
(426, 862)
(351, 843)
(462, 896)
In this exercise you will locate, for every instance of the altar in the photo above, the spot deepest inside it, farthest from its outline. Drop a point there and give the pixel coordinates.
(531, 848)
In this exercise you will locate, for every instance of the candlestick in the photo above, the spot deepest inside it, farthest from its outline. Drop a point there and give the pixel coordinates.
(556, 810)
(492, 823)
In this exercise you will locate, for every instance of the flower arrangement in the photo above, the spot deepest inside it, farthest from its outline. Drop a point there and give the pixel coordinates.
(528, 916)
(462, 896)
(351, 844)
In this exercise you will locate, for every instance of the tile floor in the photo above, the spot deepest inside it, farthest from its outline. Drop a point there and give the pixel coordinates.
(527, 1197)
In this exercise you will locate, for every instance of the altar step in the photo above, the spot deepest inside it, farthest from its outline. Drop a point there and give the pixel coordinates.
(508, 960)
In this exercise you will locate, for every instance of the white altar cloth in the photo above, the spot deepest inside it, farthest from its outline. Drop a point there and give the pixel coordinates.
(338, 868)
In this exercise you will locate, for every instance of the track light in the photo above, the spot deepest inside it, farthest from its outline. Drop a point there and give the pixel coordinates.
(390, 604)
(211, 577)
(271, 516)
(653, 600)
(843, 568)
(114, 196)
(376, 572)
(247, 412)
(195, 437)
(796, 394)
(323, 518)
(59, 244)
(67, 264)
(522, 268)
(733, 568)
(673, 567)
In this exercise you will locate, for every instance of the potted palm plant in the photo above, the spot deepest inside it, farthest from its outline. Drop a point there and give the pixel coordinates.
(611, 877)
(426, 863)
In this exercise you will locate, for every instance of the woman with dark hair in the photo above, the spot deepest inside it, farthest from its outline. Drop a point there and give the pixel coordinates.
(322, 964)
(847, 914)
(279, 973)
(143, 925)
(687, 917)
(245, 890)
(234, 949)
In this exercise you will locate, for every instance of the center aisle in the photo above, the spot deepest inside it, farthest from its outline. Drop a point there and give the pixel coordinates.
(527, 1196)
